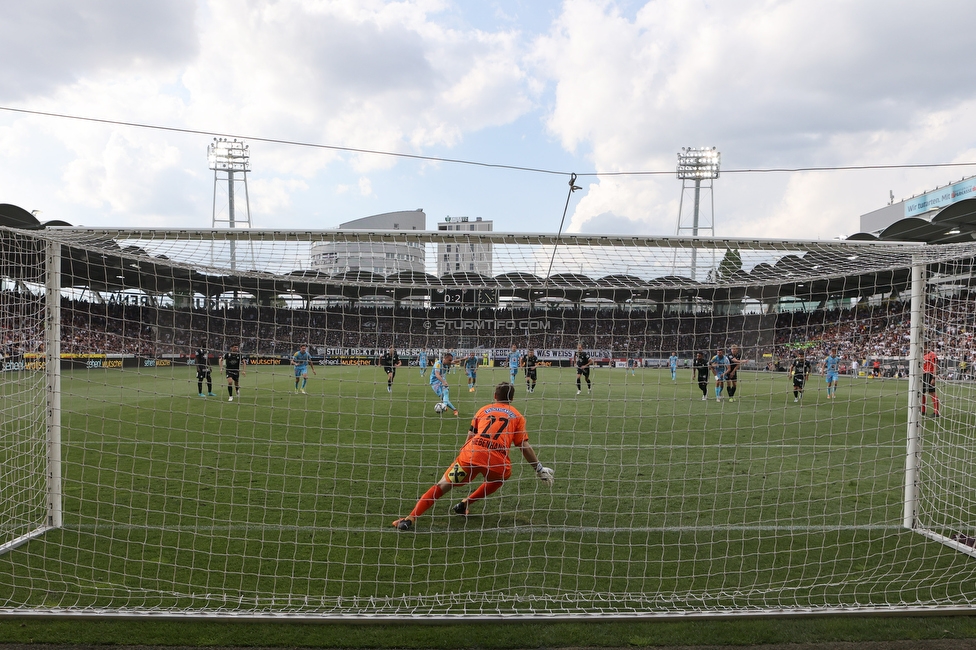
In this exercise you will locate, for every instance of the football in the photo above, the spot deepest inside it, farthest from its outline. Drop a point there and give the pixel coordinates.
(439, 407)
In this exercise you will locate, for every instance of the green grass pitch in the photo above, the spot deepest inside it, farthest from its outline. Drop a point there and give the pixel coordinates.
(282, 502)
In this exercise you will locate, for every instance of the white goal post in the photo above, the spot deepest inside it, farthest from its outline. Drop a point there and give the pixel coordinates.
(30, 485)
(809, 461)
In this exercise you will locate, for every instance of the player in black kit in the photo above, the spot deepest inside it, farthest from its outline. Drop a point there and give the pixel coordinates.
(583, 362)
(202, 360)
(800, 370)
(531, 370)
(234, 367)
(732, 376)
(390, 362)
(699, 367)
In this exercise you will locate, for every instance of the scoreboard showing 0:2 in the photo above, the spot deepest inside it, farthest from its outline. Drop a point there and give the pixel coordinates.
(480, 297)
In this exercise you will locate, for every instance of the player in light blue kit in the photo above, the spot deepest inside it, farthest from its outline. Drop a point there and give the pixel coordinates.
(471, 370)
(514, 362)
(302, 362)
(438, 380)
(422, 362)
(673, 365)
(831, 369)
(720, 367)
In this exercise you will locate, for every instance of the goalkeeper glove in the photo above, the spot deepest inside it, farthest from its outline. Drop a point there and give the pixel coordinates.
(545, 474)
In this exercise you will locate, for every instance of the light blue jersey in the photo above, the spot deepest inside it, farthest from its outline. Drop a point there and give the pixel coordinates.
(436, 373)
(301, 360)
(831, 369)
(832, 364)
(439, 387)
(514, 361)
(720, 365)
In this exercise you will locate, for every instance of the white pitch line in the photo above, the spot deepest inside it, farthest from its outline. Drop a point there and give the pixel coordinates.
(105, 528)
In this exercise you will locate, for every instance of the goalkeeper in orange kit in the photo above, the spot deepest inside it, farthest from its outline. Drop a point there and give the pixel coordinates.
(494, 429)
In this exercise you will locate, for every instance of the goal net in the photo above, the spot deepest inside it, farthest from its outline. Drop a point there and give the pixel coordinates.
(28, 433)
(747, 434)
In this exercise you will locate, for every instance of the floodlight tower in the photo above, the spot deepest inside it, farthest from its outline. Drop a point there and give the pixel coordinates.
(697, 168)
(230, 161)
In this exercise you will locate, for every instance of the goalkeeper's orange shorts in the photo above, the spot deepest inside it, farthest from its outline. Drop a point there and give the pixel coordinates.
(466, 467)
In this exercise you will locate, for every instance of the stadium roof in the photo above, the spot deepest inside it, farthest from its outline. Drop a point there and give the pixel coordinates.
(107, 267)
(12, 216)
(952, 224)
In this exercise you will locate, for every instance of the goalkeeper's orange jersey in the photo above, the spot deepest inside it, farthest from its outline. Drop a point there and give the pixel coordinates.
(929, 362)
(494, 429)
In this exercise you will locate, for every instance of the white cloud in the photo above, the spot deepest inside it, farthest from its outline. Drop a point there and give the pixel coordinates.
(365, 186)
(367, 75)
(121, 170)
(56, 44)
(273, 196)
(764, 83)
(616, 86)
(372, 77)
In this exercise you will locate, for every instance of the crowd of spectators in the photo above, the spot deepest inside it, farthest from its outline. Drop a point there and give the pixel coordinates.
(867, 334)
(860, 333)
(863, 333)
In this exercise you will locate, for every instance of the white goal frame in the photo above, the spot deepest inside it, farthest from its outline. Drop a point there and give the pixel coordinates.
(917, 260)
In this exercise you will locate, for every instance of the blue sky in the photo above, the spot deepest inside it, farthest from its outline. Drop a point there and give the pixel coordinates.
(575, 86)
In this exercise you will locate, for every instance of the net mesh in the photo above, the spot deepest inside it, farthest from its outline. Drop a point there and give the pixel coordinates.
(22, 394)
(273, 491)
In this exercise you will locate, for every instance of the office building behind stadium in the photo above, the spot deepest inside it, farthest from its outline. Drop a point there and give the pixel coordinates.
(384, 258)
(464, 257)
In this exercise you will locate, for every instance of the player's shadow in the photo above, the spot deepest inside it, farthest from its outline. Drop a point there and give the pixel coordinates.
(488, 521)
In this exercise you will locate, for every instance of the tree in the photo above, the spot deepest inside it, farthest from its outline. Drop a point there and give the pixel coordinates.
(730, 265)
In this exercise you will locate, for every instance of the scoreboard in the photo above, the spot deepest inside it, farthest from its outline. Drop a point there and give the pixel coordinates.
(465, 297)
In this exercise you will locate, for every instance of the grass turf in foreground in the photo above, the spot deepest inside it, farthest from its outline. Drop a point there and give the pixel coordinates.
(172, 501)
(595, 634)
